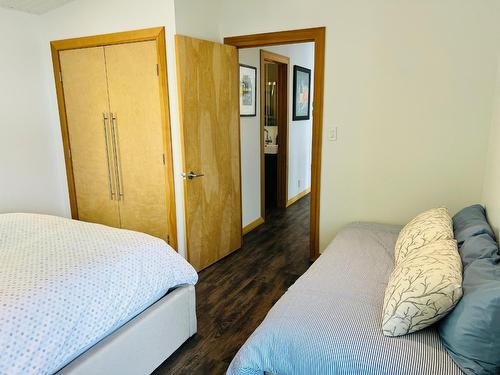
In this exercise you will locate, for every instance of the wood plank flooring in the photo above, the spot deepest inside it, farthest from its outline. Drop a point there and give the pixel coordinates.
(235, 294)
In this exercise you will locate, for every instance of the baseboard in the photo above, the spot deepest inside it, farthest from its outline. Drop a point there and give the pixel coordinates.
(297, 197)
(254, 224)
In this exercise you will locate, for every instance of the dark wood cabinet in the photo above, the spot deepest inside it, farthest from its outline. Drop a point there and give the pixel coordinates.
(271, 167)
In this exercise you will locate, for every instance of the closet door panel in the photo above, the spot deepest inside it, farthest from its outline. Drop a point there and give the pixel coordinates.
(134, 95)
(85, 94)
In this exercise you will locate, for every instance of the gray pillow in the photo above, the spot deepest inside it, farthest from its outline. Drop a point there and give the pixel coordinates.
(469, 222)
(471, 332)
(477, 247)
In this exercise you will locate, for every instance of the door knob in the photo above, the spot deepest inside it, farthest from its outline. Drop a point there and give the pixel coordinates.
(190, 175)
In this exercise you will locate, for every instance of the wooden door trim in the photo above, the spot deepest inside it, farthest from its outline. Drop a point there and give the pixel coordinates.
(156, 34)
(108, 39)
(316, 35)
(283, 66)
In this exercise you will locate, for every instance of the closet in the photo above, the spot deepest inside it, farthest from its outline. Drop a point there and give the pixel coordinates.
(118, 147)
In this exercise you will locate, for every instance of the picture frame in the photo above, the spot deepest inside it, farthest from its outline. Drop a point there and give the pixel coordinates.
(248, 90)
(301, 93)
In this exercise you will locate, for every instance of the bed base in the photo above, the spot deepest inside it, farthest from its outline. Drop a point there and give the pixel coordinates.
(142, 344)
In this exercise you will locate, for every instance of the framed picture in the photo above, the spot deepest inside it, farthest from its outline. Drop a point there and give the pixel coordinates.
(248, 90)
(301, 93)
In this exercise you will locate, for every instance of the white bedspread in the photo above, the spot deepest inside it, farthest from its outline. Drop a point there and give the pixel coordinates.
(65, 285)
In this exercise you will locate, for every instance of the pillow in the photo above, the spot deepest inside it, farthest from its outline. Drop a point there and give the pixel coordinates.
(423, 288)
(469, 222)
(471, 332)
(429, 226)
(477, 247)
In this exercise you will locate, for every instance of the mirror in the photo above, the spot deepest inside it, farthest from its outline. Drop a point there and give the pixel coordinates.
(271, 97)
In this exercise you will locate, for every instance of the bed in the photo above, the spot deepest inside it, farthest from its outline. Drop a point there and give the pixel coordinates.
(329, 321)
(80, 298)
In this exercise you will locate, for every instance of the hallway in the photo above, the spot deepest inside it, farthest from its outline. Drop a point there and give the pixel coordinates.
(235, 294)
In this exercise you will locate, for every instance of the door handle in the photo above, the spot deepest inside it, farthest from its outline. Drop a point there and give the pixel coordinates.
(190, 175)
(106, 141)
(116, 151)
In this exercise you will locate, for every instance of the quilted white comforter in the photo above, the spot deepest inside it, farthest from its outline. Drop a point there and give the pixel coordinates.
(65, 285)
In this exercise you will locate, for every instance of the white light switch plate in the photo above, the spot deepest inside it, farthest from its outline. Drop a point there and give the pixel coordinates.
(332, 133)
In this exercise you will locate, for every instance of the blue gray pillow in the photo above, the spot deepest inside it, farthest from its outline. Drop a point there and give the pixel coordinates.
(469, 222)
(477, 247)
(471, 332)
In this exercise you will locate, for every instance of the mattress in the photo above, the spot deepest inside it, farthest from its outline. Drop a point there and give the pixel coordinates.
(66, 284)
(329, 321)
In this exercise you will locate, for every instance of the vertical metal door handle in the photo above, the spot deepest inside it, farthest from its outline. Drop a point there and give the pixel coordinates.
(106, 141)
(116, 151)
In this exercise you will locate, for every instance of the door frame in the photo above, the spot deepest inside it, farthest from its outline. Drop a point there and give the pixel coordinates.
(156, 34)
(283, 63)
(316, 35)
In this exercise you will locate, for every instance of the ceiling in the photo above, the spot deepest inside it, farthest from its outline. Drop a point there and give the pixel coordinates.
(33, 6)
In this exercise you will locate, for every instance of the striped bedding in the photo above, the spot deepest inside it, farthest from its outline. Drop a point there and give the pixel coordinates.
(329, 321)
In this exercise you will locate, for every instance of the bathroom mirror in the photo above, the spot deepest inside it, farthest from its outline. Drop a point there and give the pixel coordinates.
(271, 97)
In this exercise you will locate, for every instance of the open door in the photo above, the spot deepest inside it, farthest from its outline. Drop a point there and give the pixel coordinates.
(208, 84)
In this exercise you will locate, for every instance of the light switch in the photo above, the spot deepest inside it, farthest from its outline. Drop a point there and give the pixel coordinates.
(332, 134)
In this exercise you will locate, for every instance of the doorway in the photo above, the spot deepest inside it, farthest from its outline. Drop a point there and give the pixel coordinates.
(317, 36)
(274, 70)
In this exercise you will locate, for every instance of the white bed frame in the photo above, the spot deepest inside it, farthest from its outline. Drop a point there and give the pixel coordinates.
(142, 344)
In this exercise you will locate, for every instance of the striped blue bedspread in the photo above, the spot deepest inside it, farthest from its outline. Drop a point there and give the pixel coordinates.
(329, 321)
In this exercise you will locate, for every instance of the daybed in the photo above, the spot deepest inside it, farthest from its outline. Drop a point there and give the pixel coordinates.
(329, 321)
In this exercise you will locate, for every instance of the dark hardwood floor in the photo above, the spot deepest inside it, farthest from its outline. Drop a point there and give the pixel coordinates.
(235, 294)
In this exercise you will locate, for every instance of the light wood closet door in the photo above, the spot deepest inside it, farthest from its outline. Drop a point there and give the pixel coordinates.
(208, 78)
(86, 99)
(134, 96)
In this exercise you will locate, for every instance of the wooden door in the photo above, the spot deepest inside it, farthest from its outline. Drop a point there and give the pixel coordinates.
(86, 99)
(134, 96)
(208, 83)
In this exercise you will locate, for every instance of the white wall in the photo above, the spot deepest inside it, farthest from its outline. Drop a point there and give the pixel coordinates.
(29, 147)
(409, 85)
(198, 18)
(250, 149)
(299, 133)
(491, 189)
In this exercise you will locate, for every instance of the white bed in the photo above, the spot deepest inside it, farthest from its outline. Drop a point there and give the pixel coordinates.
(92, 298)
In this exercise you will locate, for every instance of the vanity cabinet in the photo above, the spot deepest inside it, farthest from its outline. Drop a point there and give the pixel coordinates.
(271, 168)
